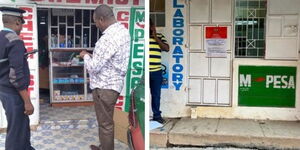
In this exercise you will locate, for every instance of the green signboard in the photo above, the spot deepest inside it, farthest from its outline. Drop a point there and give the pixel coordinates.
(137, 59)
(267, 86)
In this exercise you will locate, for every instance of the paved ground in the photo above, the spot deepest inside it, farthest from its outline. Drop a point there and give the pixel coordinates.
(65, 128)
(208, 148)
(228, 132)
(65, 139)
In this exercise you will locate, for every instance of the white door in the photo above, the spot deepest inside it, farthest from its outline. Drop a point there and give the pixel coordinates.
(29, 36)
(209, 77)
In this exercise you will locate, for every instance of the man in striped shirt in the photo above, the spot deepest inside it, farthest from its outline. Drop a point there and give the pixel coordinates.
(158, 43)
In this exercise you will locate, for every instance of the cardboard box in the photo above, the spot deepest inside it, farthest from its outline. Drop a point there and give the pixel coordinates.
(121, 125)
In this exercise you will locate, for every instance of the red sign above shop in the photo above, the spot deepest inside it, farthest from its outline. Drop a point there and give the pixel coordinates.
(216, 32)
(93, 2)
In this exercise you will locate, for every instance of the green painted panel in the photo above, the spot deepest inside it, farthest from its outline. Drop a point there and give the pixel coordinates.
(267, 86)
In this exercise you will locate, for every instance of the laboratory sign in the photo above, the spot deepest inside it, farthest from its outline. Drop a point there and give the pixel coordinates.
(267, 86)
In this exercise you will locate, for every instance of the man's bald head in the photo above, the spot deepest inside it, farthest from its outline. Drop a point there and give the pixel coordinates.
(105, 12)
(13, 22)
(103, 17)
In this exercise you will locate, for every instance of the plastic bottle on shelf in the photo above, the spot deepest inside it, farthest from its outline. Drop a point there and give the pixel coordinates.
(85, 40)
(55, 41)
(69, 42)
(52, 40)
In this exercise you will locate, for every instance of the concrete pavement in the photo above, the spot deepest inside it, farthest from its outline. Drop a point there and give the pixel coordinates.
(227, 132)
(206, 148)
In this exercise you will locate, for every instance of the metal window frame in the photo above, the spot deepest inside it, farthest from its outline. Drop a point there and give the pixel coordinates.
(74, 29)
(155, 13)
(238, 53)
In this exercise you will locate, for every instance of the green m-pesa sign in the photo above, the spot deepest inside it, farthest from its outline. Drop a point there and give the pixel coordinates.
(137, 55)
(267, 86)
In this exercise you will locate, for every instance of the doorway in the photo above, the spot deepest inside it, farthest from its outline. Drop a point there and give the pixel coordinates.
(209, 77)
(65, 114)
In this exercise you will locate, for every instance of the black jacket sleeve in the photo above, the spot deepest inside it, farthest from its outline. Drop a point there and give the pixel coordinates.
(16, 59)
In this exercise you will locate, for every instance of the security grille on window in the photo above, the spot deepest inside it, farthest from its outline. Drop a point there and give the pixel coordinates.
(250, 16)
(70, 28)
(157, 12)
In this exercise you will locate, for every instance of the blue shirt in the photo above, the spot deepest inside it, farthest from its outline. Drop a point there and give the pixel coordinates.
(8, 29)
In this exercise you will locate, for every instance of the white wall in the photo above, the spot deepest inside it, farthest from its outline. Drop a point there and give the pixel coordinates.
(282, 34)
(254, 112)
(33, 66)
(173, 102)
(275, 7)
(16, 1)
(280, 7)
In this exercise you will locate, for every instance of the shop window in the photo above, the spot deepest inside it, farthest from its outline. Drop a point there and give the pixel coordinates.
(157, 12)
(250, 19)
(72, 28)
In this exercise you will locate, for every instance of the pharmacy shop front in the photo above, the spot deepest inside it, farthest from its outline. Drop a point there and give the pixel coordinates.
(59, 30)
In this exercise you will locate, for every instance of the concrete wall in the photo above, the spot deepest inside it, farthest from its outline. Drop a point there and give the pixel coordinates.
(173, 103)
(236, 111)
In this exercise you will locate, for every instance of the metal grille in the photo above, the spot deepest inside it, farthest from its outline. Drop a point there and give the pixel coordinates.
(73, 31)
(250, 18)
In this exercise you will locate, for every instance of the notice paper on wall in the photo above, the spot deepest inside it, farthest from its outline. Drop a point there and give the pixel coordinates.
(216, 41)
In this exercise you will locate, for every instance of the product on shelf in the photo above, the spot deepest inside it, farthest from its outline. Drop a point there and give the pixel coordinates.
(57, 93)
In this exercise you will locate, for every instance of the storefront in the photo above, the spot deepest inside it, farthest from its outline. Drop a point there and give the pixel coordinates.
(60, 29)
(232, 59)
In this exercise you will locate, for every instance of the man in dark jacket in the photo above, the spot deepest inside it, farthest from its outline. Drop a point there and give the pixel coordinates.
(14, 81)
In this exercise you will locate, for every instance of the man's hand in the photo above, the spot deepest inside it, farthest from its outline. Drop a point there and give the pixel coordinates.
(27, 102)
(83, 53)
(28, 108)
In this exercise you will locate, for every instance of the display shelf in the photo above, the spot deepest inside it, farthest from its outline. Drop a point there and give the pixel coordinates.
(68, 104)
(69, 79)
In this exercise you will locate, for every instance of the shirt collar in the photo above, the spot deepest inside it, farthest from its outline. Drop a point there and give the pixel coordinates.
(107, 30)
(8, 29)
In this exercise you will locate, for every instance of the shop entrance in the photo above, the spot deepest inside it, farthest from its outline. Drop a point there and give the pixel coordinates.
(65, 97)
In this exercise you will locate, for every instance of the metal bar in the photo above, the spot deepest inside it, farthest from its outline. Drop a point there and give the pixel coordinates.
(90, 29)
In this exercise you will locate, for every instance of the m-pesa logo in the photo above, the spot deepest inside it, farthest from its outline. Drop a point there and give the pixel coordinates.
(270, 81)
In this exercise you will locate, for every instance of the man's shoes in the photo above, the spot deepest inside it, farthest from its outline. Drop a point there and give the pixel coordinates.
(160, 120)
(94, 147)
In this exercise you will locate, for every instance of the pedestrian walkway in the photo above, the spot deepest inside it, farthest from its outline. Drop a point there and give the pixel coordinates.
(227, 132)
(65, 139)
(200, 148)
(66, 128)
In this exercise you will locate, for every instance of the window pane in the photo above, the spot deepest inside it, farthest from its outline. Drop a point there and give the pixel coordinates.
(152, 3)
(94, 35)
(70, 21)
(157, 9)
(157, 5)
(160, 20)
(54, 21)
(78, 15)
(62, 36)
(250, 28)
(78, 36)
(62, 19)
(86, 18)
